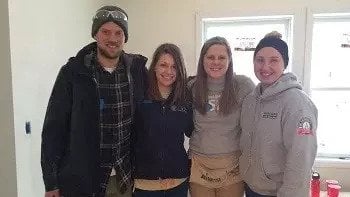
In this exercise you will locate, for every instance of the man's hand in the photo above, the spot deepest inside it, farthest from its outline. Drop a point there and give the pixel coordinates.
(53, 193)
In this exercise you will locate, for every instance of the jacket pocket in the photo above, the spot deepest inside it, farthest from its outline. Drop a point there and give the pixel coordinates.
(65, 178)
(71, 181)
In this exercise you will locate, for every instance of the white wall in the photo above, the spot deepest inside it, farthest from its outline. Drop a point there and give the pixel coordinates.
(44, 34)
(7, 137)
(152, 22)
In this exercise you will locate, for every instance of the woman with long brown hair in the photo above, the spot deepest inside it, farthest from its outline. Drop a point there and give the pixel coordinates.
(214, 145)
(161, 120)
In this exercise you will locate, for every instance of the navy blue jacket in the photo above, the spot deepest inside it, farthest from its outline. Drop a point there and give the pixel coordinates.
(159, 140)
(70, 149)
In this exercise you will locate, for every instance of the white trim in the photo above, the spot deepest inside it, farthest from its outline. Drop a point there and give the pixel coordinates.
(249, 13)
(324, 162)
(330, 9)
(199, 35)
(298, 45)
(308, 51)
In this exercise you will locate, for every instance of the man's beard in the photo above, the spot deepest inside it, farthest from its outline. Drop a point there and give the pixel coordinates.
(105, 54)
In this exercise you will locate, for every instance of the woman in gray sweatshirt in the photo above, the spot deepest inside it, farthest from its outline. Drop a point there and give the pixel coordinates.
(214, 145)
(279, 122)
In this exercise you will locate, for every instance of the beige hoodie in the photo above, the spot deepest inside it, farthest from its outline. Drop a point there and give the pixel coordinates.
(278, 139)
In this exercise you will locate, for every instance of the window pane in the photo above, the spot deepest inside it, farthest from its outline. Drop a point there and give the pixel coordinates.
(330, 83)
(330, 53)
(333, 121)
(243, 36)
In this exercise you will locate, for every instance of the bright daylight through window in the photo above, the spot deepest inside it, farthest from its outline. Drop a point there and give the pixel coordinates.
(243, 34)
(330, 82)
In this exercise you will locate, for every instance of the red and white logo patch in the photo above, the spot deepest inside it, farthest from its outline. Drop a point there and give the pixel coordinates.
(305, 126)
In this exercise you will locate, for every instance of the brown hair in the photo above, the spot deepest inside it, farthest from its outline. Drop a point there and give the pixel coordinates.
(274, 34)
(178, 95)
(228, 100)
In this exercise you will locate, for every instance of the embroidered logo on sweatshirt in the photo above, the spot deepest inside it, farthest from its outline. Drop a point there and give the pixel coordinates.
(305, 126)
(178, 109)
(269, 115)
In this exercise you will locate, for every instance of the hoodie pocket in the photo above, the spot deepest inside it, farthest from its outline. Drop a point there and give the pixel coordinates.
(264, 182)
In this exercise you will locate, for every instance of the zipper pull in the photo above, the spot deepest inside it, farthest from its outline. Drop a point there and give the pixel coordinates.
(102, 104)
(163, 109)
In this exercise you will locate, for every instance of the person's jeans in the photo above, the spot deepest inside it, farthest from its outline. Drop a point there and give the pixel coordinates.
(113, 189)
(250, 193)
(233, 190)
(179, 191)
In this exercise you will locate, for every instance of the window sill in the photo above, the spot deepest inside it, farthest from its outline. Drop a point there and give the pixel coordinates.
(324, 162)
(342, 194)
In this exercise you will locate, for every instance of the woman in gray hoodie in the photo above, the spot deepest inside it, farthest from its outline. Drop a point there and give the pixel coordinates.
(279, 122)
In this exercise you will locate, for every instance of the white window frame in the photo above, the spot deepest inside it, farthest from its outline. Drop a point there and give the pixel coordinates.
(319, 13)
(298, 30)
(287, 20)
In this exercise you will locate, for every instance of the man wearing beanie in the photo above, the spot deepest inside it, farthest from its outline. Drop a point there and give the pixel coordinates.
(88, 122)
(279, 122)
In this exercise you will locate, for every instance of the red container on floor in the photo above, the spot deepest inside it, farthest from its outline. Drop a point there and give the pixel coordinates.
(315, 185)
(332, 182)
(333, 190)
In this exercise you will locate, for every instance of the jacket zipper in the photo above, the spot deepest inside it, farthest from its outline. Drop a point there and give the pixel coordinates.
(164, 133)
(131, 90)
(98, 106)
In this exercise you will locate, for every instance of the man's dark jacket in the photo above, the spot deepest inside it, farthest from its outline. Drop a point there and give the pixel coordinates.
(70, 150)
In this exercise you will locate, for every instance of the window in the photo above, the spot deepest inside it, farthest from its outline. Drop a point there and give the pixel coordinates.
(320, 59)
(243, 34)
(330, 82)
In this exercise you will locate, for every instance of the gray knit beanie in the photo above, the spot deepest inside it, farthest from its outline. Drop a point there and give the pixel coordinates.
(110, 14)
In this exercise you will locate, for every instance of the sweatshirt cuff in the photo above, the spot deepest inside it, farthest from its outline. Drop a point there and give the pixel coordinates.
(51, 183)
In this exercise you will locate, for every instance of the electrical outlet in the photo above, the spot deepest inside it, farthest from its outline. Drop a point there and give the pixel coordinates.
(28, 127)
